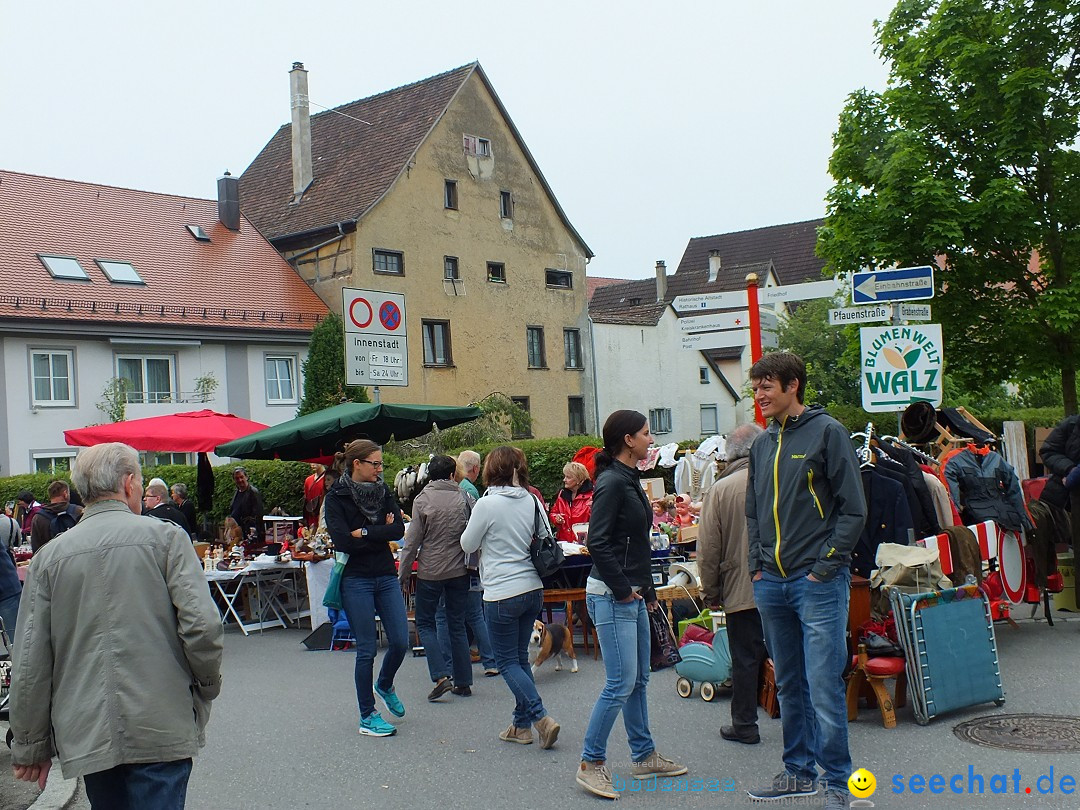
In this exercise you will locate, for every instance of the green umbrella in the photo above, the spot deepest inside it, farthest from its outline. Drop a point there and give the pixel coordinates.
(321, 434)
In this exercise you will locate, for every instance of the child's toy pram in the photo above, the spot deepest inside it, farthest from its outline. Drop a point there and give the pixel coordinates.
(706, 659)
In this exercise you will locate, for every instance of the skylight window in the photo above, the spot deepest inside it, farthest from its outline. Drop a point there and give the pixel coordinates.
(197, 231)
(63, 267)
(120, 272)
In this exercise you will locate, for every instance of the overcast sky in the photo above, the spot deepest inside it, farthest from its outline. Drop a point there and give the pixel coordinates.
(652, 124)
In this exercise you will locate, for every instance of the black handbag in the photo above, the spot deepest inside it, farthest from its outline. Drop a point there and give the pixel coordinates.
(547, 555)
(664, 651)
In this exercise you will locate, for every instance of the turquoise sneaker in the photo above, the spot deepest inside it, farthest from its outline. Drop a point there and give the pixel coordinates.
(374, 726)
(391, 701)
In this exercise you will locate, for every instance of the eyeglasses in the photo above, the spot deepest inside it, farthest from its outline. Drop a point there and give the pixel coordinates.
(378, 465)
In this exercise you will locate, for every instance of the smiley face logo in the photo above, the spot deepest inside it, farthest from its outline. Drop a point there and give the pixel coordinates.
(862, 783)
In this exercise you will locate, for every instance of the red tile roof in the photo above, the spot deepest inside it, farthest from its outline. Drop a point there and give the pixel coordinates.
(594, 283)
(790, 247)
(355, 164)
(236, 280)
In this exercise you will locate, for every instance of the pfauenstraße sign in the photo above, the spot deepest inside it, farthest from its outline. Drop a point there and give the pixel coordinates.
(900, 365)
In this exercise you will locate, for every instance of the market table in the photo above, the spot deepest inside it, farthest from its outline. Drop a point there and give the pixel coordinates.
(266, 582)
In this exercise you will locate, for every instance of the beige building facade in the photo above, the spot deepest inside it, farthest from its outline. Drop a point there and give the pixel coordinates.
(465, 227)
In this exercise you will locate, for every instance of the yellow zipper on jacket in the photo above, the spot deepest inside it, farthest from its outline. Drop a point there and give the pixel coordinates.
(776, 496)
(810, 483)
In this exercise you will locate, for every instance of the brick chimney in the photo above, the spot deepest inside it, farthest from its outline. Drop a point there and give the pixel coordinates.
(228, 201)
(301, 131)
(661, 280)
(714, 265)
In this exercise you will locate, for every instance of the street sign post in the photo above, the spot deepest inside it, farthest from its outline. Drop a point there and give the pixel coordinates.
(722, 300)
(376, 345)
(716, 340)
(712, 323)
(915, 312)
(800, 292)
(903, 284)
(900, 365)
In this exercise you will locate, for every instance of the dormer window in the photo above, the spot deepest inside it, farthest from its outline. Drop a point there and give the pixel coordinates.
(635, 301)
(66, 267)
(120, 272)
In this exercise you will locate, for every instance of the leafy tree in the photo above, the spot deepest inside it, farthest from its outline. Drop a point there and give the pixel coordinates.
(970, 157)
(324, 369)
(501, 421)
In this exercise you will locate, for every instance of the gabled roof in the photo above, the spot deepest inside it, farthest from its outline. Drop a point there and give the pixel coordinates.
(356, 164)
(635, 303)
(790, 247)
(594, 283)
(236, 280)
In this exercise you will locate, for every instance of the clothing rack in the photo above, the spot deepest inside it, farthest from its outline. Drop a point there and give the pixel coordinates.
(867, 436)
(919, 454)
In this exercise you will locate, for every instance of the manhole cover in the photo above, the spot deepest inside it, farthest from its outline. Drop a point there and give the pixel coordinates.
(1023, 732)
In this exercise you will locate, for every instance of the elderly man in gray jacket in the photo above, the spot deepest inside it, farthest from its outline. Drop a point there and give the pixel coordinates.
(118, 647)
(433, 537)
(725, 580)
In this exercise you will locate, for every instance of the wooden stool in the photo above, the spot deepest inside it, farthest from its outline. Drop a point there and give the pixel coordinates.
(874, 671)
(567, 597)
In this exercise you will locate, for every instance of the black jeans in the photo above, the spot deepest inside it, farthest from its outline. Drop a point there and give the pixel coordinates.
(428, 594)
(747, 643)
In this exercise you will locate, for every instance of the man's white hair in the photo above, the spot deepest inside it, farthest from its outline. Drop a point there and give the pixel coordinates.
(469, 459)
(99, 471)
(739, 440)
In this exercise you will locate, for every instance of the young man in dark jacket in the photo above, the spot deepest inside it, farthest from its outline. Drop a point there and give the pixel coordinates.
(805, 511)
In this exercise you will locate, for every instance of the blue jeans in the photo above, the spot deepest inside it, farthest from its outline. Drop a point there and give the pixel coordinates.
(362, 598)
(476, 621)
(805, 624)
(623, 631)
(161, 785)
(9, 610)
(510, 623)
(455, 592)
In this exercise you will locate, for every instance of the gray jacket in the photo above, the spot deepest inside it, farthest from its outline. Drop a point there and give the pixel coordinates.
(804, 505)
(117, 652)
(439, 515)
(722, 541)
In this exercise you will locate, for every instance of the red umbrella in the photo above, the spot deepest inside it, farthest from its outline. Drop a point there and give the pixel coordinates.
(192, 432)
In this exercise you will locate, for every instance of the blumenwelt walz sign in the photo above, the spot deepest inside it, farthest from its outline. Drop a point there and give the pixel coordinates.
(900, 365)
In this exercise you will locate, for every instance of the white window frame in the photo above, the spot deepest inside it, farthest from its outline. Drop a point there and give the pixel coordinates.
(52, 402)
(55, 455)
(143, 397)
(660, 420)
(716, 420)
(292, 364)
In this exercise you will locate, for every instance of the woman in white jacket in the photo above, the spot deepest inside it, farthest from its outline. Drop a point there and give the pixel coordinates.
(501, 527)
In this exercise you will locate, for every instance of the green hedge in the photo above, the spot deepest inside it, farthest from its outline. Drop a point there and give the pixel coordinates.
(281, 483)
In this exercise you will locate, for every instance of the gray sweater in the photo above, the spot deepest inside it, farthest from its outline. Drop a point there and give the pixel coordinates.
(501, 527)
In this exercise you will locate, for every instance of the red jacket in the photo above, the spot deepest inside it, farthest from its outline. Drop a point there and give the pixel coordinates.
(575, 511)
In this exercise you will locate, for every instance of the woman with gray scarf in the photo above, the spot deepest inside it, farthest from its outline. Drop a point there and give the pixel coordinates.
(363, 517)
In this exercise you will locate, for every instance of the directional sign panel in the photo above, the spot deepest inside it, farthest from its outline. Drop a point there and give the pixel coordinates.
(716, 340)
(376, 348)
(900, 365)
(799, 292)
(713, 323)
(721, 300)
(904, 284)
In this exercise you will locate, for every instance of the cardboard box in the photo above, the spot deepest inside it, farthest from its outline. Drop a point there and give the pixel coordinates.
(687, 534)
(654, 488)
(1040, 437)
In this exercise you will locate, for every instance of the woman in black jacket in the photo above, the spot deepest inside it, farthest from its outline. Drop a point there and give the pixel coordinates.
(362, 518)
(617, 591)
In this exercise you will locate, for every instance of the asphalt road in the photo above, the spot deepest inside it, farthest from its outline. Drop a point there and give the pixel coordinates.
(283, 735)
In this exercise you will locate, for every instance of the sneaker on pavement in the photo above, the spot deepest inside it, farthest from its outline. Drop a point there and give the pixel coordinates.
(491, 672)
(596, 778)
(374, 726)
(548, 730)
(784, 785)
(462, 691)
(518, 735)
(391, 701)
(442, 686)
(656, 765)
(837, 800)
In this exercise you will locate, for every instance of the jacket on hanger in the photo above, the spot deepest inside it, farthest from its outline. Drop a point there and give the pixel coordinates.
(984, 487)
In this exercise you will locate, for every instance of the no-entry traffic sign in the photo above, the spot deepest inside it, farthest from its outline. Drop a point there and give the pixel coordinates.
(376, 344)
